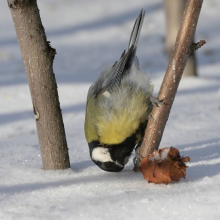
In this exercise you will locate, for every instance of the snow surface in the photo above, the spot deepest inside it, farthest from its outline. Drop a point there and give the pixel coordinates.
(88, 35)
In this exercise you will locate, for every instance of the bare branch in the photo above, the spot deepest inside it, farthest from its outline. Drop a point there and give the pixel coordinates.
(182, 50)
(38, 58)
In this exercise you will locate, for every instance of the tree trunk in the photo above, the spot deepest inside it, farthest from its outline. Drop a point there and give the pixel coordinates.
(174, 11)
(38, 58)
(184, 47)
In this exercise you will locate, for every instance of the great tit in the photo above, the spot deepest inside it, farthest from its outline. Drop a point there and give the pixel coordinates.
(118, 106)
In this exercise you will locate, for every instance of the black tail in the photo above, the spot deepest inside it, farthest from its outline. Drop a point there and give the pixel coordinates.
(121, 68)
(136, 30)
(133, 42)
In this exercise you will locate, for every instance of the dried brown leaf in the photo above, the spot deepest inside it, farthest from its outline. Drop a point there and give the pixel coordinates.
(164, 166)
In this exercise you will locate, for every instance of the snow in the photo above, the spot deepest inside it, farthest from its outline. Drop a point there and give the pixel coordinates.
(159, 156)
(165, 154)
(88, 35)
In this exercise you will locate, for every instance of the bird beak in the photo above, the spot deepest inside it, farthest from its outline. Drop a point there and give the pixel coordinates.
(119, 164)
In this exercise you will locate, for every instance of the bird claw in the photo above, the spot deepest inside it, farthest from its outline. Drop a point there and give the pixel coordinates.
(137, 158)
(155, 101)
(150, 117)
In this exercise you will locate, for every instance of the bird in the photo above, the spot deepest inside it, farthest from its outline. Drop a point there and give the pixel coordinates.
(118, 107)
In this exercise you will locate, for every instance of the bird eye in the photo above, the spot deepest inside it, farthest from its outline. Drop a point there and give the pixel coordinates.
(107, 164)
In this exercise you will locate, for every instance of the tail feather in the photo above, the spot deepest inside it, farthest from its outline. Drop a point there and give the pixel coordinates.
(136, 30)
(111, 79)
(133, 42)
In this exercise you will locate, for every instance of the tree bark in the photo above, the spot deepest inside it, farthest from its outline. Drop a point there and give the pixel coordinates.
(184, 47)
(38, 58)
(174, 11)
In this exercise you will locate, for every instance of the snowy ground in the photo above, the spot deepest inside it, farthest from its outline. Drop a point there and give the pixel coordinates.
(88, 35)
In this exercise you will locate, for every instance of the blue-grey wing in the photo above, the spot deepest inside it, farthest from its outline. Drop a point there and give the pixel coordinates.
(109, 79)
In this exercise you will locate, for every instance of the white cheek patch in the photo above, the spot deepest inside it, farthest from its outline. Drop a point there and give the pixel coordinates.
(101, 154)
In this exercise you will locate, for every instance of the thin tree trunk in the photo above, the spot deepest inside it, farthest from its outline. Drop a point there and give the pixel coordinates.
(38, 58)
(174, 12)
(183, 49)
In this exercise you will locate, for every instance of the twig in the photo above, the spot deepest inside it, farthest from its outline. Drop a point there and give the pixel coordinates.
(196, 46)
(182, 50)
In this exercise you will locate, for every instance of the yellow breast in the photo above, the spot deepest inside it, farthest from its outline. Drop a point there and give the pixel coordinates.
(114, 117)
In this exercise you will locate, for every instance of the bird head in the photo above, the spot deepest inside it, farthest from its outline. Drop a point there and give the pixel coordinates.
(108, 158)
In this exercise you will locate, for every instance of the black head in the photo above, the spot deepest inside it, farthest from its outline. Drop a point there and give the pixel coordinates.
(110, 158)
(104, 159)
(109, 166)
